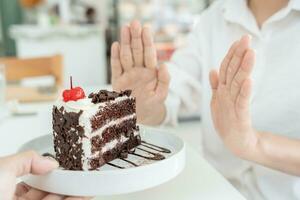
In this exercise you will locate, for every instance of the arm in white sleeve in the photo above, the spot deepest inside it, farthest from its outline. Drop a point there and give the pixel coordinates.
(185, 69)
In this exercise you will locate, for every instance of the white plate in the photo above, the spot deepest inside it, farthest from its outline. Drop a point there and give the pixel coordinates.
(110, 180)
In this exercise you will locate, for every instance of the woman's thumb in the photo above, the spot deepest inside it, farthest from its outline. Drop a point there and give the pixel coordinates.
(27, 163)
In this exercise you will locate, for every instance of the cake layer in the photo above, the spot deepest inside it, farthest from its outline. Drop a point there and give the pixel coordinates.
(125, 129)
(112, 112)
(115, 152)
(113, 123)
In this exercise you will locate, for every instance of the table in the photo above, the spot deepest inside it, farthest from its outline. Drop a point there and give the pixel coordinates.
(199, 180)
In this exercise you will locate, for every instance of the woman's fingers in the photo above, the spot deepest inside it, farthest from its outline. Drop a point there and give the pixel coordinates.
(150, 58)
(125, 53)
(53, 197)
(34, 194)
(21, 189)
(225, 62)
(237, 58)
(163, 82)
(28, 162)
(137, 44)
(243, 73)
(78, 198)
(243, 100)
(116, 66)
(137, 49)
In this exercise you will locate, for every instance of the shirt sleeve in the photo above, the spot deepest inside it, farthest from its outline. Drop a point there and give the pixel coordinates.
(185, 68)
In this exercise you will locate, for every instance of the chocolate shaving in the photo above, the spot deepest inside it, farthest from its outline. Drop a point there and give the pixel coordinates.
(104, 96)
(67, 133)
(123, 154)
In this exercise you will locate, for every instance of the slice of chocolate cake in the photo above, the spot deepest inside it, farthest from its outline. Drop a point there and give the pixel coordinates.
(89, 132)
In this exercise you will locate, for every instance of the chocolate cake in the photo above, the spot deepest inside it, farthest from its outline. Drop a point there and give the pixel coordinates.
(92, 131)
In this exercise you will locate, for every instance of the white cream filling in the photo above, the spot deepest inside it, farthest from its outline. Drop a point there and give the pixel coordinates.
(86, 147)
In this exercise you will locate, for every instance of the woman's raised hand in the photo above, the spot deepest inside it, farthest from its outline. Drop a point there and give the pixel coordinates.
(231, 88)
(134, 66)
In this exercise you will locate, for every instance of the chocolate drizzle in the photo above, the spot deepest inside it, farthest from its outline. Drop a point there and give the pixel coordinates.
(130, 162)
(155, 147)
(155, 156)
(104, 96)
(117, 166)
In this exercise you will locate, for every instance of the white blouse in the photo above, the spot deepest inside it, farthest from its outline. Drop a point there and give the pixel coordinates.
(275, 102)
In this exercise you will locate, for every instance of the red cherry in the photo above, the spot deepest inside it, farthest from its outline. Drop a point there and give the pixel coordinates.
(73, 94)
(67, 95)
(77, 93)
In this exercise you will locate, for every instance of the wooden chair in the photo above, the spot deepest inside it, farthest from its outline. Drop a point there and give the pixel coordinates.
(19, 68)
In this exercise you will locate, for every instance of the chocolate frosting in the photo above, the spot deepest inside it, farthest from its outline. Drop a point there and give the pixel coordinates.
(104, 95)
(67, 133)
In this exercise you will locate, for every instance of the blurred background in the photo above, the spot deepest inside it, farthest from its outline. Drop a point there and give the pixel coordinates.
(43, 42)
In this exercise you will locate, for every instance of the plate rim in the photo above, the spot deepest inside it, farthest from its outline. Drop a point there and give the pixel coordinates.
(176, 162)
(98, 172)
